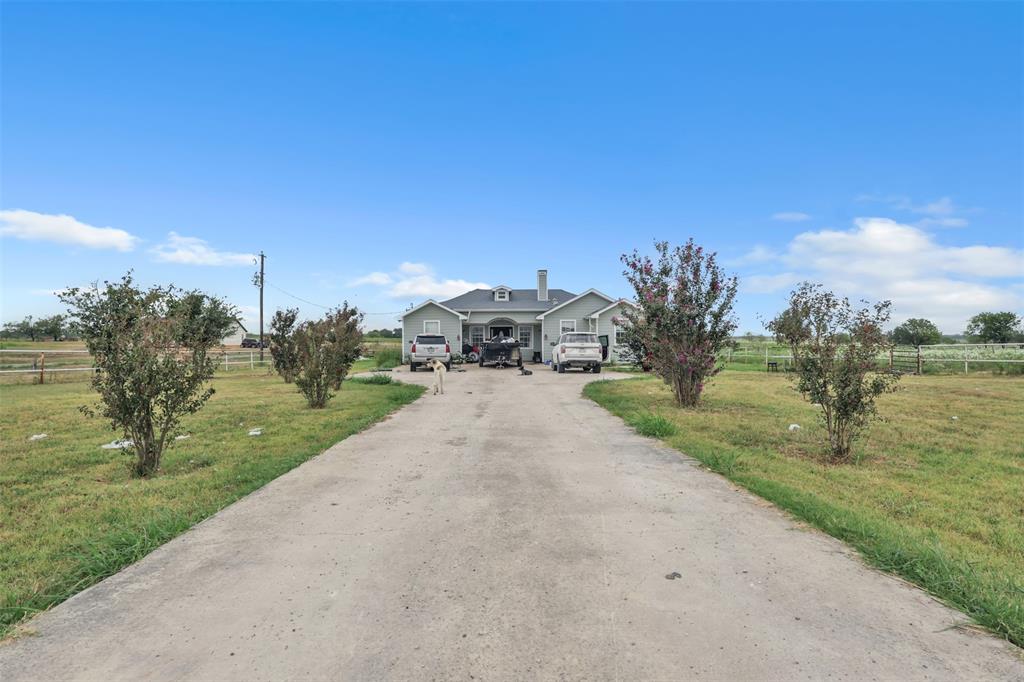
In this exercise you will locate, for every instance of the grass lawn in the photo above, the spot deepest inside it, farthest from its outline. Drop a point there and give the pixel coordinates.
(70, 514)
(936, 500)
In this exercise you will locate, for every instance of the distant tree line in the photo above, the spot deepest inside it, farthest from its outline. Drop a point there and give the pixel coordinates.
(383, 333)
(52, 328)
(1003, 327)
(988, 327)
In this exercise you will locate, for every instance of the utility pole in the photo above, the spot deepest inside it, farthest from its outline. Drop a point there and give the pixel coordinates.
(257, 279)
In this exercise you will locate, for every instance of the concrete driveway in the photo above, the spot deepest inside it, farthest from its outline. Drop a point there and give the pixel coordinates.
(508, 530)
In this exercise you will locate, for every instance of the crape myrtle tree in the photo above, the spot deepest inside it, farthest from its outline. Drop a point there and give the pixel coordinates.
(283, 350)
(152, 351)
(683, 317)
(326, 349)
(838, 366)
(916, 332)
(791, 327)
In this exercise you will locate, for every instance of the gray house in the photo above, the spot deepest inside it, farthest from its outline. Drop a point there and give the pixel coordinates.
(534, 316)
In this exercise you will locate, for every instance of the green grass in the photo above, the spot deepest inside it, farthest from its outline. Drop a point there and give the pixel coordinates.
(388, 357)
(26, 344)
(935, 500)
(71, 515)
(653, 425)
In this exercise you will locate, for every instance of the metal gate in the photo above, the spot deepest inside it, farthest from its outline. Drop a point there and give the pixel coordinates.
(905, 359)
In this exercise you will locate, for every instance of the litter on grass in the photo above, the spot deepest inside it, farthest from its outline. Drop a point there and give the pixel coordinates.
(794, 427)
(118, 444)
(183, 436)
(256, 432)
(38, 436)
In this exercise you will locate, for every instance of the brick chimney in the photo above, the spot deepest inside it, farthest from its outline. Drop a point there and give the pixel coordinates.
(542, 285)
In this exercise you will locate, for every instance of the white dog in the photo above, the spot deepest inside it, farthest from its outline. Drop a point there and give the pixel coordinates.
(439, 371)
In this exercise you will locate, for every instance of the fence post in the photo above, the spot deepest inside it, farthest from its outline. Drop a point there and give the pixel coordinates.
(919, 369)
(225, 362)
(965, 359)
(890, 358)
(766, 355)
(42, 368)
(252, 363)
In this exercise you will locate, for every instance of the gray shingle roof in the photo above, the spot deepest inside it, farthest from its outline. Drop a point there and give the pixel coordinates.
(519, 299)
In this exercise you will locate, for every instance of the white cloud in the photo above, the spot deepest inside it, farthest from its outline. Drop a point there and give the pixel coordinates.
(758, 254)
(943, 222)
(882, 247)
(428, 286)
(63, 229)
(408, 268)
(417, 281)
(791, 216)
(767, 284)
(943, 206)
(943, 212)
(374, 278)
(195, 251)
(883, 259)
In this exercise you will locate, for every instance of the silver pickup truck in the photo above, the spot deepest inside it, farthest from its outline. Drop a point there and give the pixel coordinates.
(426, 347)
(576, 349)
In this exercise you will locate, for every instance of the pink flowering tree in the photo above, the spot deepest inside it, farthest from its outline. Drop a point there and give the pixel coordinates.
(683, 317)
(841, 368)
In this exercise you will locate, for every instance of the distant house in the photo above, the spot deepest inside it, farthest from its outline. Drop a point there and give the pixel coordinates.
(235, 334)
(534, 316)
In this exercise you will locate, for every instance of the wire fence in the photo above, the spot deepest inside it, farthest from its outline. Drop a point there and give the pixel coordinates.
(29, 365)
(23, 365)
(948, 358)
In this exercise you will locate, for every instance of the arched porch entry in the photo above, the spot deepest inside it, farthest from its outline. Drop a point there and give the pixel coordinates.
(500, 326)
(521, 327)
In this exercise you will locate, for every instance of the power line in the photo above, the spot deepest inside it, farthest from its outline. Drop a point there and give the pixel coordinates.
(327, 307)
(298, 298)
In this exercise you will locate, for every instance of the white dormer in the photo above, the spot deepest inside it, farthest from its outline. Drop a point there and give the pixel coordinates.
(501, 293)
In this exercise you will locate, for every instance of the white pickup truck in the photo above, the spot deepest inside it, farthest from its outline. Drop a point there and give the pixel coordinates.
(576, 349)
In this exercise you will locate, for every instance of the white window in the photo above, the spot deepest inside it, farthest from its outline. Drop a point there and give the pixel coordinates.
(476, 335)
(501, 295)
(566, 326)
(526, 336)
(616, 331)
(431, 326)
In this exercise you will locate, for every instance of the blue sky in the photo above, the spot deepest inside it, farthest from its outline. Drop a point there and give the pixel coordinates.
(388, 153)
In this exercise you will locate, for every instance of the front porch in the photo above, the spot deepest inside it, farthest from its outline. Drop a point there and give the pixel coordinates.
(475, 332)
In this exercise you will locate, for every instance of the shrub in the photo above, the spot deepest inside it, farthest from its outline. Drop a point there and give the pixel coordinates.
(282, 344)
(683, 317)
(326, 349)
(152, 352)
(837, 366)
(388, 357)
(652, 425)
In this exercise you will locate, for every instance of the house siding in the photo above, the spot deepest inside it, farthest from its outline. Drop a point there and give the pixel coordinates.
(577, 310)
(606, 326)
(412, 324)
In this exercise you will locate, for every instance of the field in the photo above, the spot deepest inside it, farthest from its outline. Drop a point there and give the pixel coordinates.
(77, 515)
(67, 361)
(937, 496)
(938, 359)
